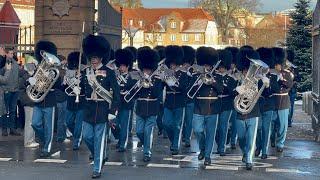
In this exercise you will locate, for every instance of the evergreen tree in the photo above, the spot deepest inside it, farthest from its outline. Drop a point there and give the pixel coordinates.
(299, 40)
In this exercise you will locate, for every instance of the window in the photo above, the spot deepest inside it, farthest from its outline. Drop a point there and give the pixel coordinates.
(197, 37)
(173, 37)
(185, 37)
(173, 25)
(131, 22)
(160, 37)
(140, 23)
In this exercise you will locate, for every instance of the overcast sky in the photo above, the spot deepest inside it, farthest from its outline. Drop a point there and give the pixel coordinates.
(267, 5)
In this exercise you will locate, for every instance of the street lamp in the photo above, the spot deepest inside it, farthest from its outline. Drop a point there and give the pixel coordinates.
(131, 31)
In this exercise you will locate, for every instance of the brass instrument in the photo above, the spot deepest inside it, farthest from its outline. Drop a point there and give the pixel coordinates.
(120, 79)
(245, 101)
(205, 77)
(45, 77)
(97, 88)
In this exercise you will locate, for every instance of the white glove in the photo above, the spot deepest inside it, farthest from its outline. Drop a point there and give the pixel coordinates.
(111, 117)
(170, 82)
(266, 81)
(76, 90)
(240, 89)
(8, 66)
(146, 75)
(32, 81)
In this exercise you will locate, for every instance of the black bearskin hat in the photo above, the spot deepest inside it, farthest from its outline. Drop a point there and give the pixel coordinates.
(226, 58)
(207, 55)
(147, 59)
(174, 54)
(96, 46)
(246, 47)
(234, 51)
(161, 51)
(243, 62)
(46, 46)
(290, 55)
(124, 56)
(189, 55)
(133, 50)
(111, 56)
(279, 54)
(73, 60)
(267, 56)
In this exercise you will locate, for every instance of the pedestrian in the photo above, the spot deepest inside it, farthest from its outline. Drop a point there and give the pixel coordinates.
(293, 91)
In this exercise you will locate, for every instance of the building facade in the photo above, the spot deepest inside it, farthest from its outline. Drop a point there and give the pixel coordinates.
(164, 26)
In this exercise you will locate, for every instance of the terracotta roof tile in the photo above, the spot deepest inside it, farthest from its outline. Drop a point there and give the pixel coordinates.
(20, 2)
(8, 15)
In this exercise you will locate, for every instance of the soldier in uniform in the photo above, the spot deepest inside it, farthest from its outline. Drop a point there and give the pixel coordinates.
(175, 97)
(207, 104)
(124, 61)
(232, 132)
(247, 124)
(282, 99)
(267, 106)
(227, 97)
(43, 112)
(147, 104)
(97, 111)
(75, 110)
(188, 61)
(162, 55)
(293, 90)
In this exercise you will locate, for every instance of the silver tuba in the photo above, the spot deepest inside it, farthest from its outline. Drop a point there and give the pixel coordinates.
(205, 77)
(247, 98)
(45, 77)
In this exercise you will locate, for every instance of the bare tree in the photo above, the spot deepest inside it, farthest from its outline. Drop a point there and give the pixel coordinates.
(225, 12)
(127, 3)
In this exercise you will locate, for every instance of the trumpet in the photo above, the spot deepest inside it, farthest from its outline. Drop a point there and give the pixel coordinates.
(120, 79)
(205, 77)
(195, 69)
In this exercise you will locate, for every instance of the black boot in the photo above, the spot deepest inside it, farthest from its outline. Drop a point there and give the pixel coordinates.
(4, 132)
(13, 132)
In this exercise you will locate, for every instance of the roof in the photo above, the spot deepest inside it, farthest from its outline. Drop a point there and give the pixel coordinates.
(20, 2)
(8, 15)
(274, 21)
(194, 19)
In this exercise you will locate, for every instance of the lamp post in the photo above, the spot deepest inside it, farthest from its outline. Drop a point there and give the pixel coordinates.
(131, 31)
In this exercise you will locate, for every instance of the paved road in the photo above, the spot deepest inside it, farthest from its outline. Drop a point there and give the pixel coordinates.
(300, 160)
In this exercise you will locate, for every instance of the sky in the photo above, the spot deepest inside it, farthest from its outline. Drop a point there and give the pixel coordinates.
(267, 5)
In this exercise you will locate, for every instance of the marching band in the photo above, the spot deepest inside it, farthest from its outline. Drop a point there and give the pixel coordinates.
(218, 94)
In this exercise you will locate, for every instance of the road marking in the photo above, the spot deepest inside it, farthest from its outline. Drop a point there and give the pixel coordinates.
(221, 167)
(286, 171)
(5, 159)
(163, 165)
(56, 154)
(113, 164)
(59, 161)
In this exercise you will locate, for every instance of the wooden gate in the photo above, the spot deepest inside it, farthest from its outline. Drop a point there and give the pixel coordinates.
(316, 71)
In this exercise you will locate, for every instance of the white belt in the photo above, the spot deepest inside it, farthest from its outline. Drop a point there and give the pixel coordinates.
(146, 99)
(223, 96)
(172, 92)
(281, 94)
(207, 98)
(98, 100)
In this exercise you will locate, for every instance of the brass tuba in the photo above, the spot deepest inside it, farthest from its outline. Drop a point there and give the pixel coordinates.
(45, 77)
(245, 101)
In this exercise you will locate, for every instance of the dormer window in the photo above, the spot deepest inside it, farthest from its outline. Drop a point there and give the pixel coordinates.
(173, 24)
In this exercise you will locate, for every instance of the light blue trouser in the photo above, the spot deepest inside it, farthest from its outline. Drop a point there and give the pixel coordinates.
(94, 135)
(144, 132)
(172, 122)
(61, 121)
(247, 132)
(74, 123)
(123, 121)
(204, 128)
(43, 124)
(283, 127)
(233, 119)
(264, 131)
(187, 127)
(222, 130)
